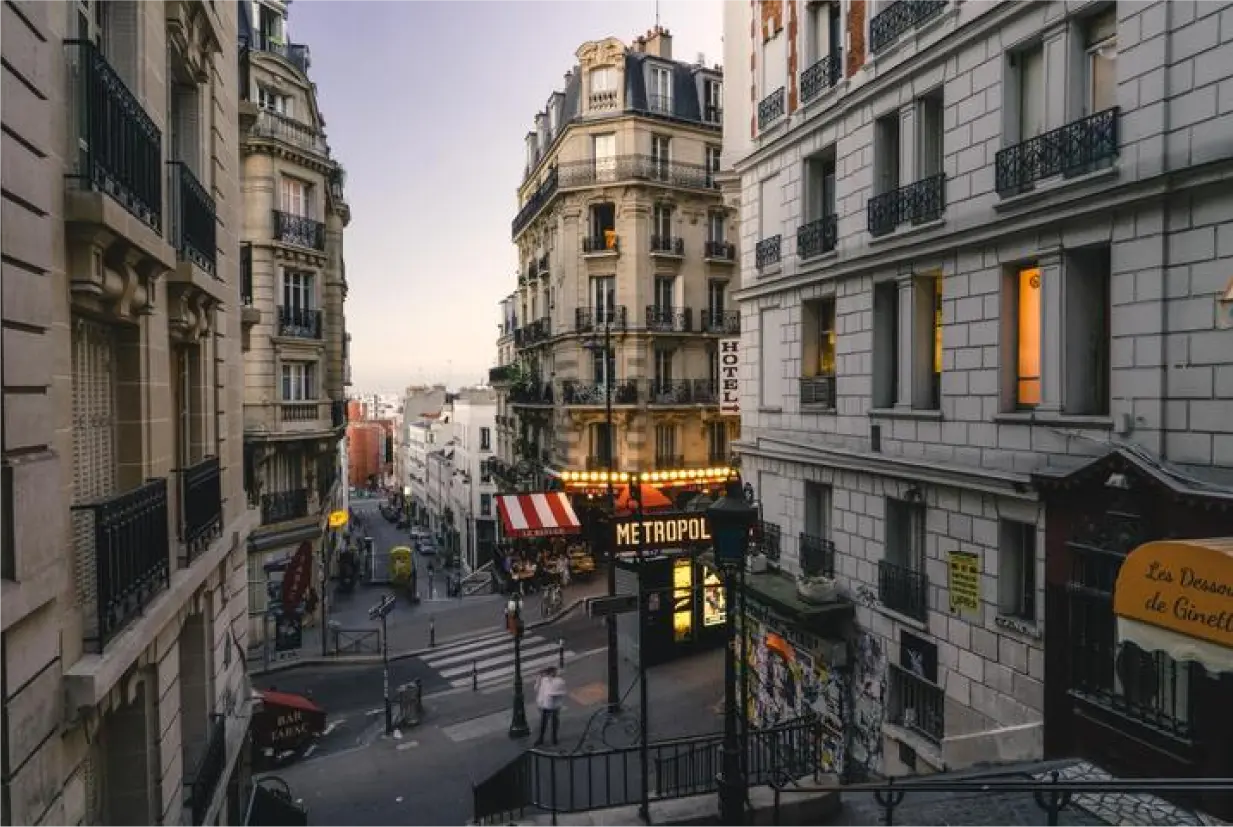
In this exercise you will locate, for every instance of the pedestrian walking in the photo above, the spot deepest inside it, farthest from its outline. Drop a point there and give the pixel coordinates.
(549, 695)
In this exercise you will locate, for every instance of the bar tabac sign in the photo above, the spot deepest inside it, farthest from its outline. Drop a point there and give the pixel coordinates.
(662, 531)
(730, 377)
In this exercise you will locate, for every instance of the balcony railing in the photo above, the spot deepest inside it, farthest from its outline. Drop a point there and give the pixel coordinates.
(294, 53)
(888, 25)
(284, 505)
(721, 321)
(538, 200)
(659, 104)
(818, 390)
(595, 318)
(720, 251)
(670, 392)
(705, 392)
(281, 128)
(668, 462)
(765, 539)
(669, 319)
(299, 230)
(201, 505)
(1078, 147)
(192, 221)
(119, 149)
(209, 770)
(817, 556)
(666, 245)
(338, 413)
(603, 243)
(574, 392)
(817, 237)
(917, 704)
(126, 563)
(821, 76)
(771, 108)
(531, 393)
(537, 331)
(914, 204)
(246, 274)
(299, 322)
(768, 250)
(299, 411)
(903, 589)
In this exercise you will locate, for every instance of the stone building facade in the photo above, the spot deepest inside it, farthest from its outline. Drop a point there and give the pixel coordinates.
(124, 521)
(294, 286)
(984, 242)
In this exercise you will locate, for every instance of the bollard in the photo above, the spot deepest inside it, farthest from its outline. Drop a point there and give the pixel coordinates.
(474, 677)
(561, 652)
(432, 632)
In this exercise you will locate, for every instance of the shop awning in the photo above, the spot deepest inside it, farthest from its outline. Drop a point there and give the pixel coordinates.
(1176, 597)
(545, 514)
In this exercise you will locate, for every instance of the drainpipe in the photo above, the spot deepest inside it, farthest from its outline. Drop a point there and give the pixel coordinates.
(1166, 171)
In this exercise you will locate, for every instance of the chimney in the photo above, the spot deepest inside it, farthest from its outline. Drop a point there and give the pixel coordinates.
(659, 43)
(639, 45)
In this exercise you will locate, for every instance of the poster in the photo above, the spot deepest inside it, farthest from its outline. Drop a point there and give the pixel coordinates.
(730, 377)
(963, 574)
(714, 600)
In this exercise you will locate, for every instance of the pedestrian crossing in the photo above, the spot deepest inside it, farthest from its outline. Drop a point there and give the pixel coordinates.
(492, 658)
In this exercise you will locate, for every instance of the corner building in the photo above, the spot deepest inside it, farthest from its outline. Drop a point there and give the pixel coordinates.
(627, 257)
(985, 300)
(123, 518)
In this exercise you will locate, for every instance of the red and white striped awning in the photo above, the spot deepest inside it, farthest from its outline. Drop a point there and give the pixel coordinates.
(537, 515)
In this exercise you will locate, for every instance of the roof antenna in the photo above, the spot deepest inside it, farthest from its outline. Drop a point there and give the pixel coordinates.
(656, 14)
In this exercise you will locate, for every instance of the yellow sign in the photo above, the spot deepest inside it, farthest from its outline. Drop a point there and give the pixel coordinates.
(682, 598)
(963, 574)
(338, 519)
(1185, 586)
(665, 530)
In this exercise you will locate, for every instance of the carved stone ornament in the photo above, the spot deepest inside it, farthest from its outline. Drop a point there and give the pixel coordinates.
(188, 313)
(111, 277)
(190, 35)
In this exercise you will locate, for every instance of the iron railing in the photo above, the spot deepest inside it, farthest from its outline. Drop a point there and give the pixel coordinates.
(705, 392)
(768, 251)
(275, 125)
(818, 236)
(284, 505)
(592, 318)
(599, 244)
(888, 25)
(721, 321)
(192, 223)
(299, 322)
(295, 54)
(531, 393)
(712, 114)
(298, 411)
(210, 768)
(766, 539)
(817, 555)
(659, 104)
(299, 230)
(128, 564)
(1074, 149)
(719, 251)
(670, 392)
(903, 589)
(537, 331)
(119, 149)
(821, 76)
(916, 704)
(667, 462)
(916, 203)
(501, 374)
(666, 245)
(574, 392)
(669, 319)
(246, 274)
(818, 390)
(201, 504)
(771, 108)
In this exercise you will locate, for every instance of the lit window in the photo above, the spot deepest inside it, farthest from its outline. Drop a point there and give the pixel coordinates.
(1027, 345)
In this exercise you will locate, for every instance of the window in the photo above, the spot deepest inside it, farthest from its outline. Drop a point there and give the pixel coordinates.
(298, 290)
(713, 101)
(885, 344)
(1087, 308)
(819, 354)
(603, 79)
(665, 291)
(661, 226)
(817, 509)
(601, 443)
(663, 367)
(820, 185)
(603, 226)
(485, 439)
(296, 197)
(1025, 299)
(770, 201)
(665, 444)
(485, 505)
(901, 582)
(716, 226)
(661, 157)
(603, 366)
(1100, 42)
(274, 102)
(716, 293)
(1017, 570)
(771, 358)
(660, 93)
(774, 64)
(1029, 74)
(714, 157)
(603, 151)
(929, 148)
(717, 442)
(886, 154)
(299, 381)
(926, 335)
(603, 297)
(184, 120)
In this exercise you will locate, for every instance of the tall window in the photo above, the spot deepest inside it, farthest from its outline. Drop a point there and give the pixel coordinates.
(717, 442)
(299, 381)
(819, 356)
(601, 447)
(1100, 39)
(274, 102)
(885, 344)
(665, 290)
(716, 224)
(603, 366)
(485, 505)
(603, 298)
(820, 185)
(298, 290)
(661, 157)
(603, 151)
(716, 292)
(663, 367)
(886, 154)
(714, 158)
(929, 150)
(1029, 67)
(665, 444)
(713, 97)
(603, 79)
(1087, 310)
(661, 220)
(1027, 347)
(485, 439)
(661, 90)
(1017, 570)
(296, 197)
(603, 226)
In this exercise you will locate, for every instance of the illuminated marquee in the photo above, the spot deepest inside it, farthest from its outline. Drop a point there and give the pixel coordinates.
(662, 530)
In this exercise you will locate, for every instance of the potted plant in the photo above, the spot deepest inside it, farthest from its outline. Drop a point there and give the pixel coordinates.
(816, 588)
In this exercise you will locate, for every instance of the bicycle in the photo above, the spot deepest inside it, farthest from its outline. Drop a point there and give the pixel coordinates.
(550, 600)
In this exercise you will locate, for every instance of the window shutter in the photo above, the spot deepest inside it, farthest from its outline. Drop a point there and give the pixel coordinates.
(94, 439)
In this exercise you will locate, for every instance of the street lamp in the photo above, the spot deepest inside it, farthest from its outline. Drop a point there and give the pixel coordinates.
(730, 520)
(518, 727)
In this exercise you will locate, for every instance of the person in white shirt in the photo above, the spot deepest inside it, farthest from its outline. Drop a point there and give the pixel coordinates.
(549, 695)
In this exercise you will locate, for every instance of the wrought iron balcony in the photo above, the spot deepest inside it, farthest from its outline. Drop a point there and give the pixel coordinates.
(538, 200)
(768, 251)
(275, 125)
(705, 392)
(721, 321)
(818, 390)
(601, 244)
(119, 149)
(666, 245)
(890, 24)
(1074, 149)
(821, 76)
(771, 108)
(295, 54)
(125, 563)
(338, 413)
(669, 462)
(574, 392)
(720, 251)
(817, 556)
(246, 274)
(669, 319)
(192, 221)
(299, 322)
(596, 318)
(209, 770)
(299, 230)
(299, 411)
(201, 505)
(903, 589)
(765, 539)
(917, 704)
(284, 505)
(536, 332)
(914, 204)
(817, 237)
(670, 392)
(531, 393)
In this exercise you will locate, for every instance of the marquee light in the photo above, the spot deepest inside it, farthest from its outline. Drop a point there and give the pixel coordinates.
(666, 477)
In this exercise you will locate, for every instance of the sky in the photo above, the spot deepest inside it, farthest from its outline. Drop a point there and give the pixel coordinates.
(426, 106)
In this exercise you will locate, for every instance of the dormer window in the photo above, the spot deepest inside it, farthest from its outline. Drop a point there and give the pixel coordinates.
(712, 101)
(659, 90)
(603, 91)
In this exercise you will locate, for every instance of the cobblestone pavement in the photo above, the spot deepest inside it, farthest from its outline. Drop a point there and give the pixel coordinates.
(1120, 808)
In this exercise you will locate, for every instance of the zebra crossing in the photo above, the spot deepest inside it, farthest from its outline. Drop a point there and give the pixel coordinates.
(492, 658)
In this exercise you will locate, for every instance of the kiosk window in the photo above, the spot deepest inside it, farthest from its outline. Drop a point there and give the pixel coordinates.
(682, 599)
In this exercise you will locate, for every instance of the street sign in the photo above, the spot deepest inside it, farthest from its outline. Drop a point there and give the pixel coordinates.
(383, 608)
(617, 604)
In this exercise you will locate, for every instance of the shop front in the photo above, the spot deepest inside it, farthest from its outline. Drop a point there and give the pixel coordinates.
(1139, 622)
(540, 535)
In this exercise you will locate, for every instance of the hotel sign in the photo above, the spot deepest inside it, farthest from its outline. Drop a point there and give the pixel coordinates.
(730, 377)
(662, 530)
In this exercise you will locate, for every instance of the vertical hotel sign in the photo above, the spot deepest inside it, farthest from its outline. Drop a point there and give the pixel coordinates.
(730, 377)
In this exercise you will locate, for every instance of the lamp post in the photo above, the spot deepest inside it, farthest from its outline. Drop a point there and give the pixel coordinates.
(518, 727)
(614, 689)
(730, 520)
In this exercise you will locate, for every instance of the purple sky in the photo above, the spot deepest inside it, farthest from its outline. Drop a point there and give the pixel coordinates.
(426, 105)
